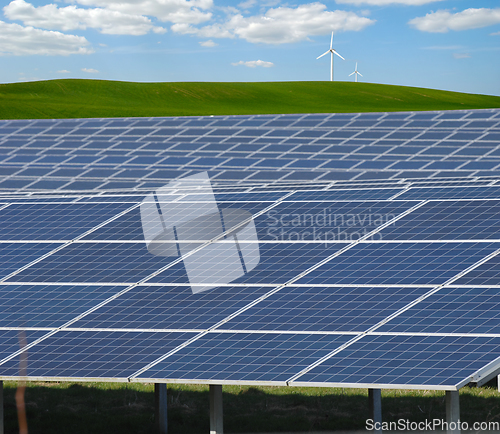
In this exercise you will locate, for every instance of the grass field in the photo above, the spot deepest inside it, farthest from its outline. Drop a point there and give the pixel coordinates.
(98, 98)
(81, 408)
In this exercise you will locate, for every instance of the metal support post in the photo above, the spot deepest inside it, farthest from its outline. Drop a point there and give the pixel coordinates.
(375, 397)
(216, 416)
(452, 412)
(161, 407)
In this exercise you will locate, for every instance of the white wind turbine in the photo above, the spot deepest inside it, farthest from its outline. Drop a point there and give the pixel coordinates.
(332, 52)
(356, 72)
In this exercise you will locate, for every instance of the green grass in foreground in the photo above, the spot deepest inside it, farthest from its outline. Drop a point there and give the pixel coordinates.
(56, 408)
(99, 98)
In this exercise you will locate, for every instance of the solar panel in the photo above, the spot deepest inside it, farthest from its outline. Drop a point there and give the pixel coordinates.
(452, 310)
(356, 250)
(405, 361)
(80, 143)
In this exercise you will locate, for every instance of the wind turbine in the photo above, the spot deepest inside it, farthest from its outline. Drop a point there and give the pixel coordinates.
(332, 52)
(356, 72)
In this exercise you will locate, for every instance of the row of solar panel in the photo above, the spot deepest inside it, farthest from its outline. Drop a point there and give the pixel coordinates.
(382, 263)
(259, 120)
(333, 192)
(297, 219)
(362, 129)
(373, 359)
(178, 154)
(314, 309)
(322, 303)
(432, 143)
(80, 164)
(49, 184)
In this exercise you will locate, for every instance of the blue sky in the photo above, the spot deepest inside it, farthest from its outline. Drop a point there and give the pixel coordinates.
(442, 44)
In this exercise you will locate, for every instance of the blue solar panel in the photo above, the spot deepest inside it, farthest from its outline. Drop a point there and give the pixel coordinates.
(95, 263)
(486, 274)
(325, 308)
(299, 297)
(48, 305)
(95, 354)
(279, 262)
(169, 307)
(326, 220)
(399, 263)
(10, 342)
(245, 357)
(126, 137)
(13, 256)
(53, 221)
(407, 360)
(451, 310)
(452, 220)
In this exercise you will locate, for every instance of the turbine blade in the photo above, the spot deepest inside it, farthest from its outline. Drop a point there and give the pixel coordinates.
(338, 54)
(323, 54)
(331, 42)
(360, 74)
(352, 73)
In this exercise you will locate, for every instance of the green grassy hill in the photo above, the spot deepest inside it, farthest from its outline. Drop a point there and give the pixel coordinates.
(99, 98)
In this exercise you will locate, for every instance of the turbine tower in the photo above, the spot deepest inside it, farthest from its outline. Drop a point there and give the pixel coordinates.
(332, 51)
(356, 72)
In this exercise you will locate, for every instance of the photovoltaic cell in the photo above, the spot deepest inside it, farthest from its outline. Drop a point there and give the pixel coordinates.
(399, 263)
(326, 220)
(95, 354)
(169, 307)
(95, 263)
(278, 263)
(452, 220)
(13, 256)
(54, 221)
(451, 310)
(245, 357)
(10, 342)
(325, 308)
(407, 360)
(48, 306)
(486, 274)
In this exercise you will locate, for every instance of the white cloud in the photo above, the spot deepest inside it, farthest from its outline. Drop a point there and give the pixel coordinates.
(442, 21)
(21, 41)
(461, 55)
(495, 34)
(208, 43)
(282, 25)
(211, 31)
(387, 2)
(63, 71)
(175, 11)
(254, 63)
(69, 18)
(247, 4)
(90, 70)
